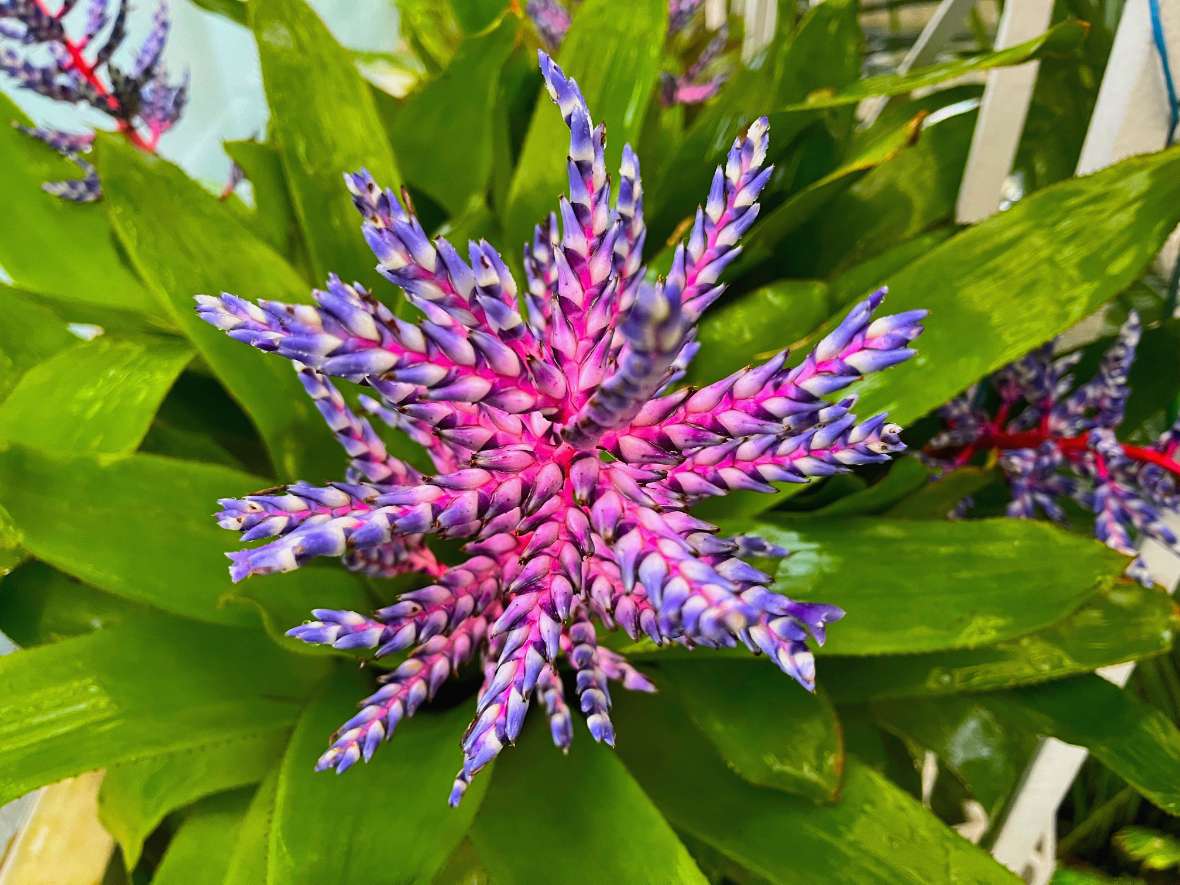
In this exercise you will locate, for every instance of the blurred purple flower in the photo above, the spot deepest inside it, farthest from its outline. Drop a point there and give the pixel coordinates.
(563, 460)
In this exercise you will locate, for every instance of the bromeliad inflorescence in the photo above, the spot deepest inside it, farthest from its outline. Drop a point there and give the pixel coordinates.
(80, 68)
(1055, 441)
(563, 459)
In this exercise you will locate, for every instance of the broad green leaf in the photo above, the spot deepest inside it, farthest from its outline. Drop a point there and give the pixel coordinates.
(765, 239)
(904, 477)
(39, 604)
(11, 551)
(616, 61)
(875, 833)
(101, 699)
(234, 10)
(30, 334)
(587, 796)
(209, 251)
(822, 53)
(911, 586)
(976, 747)
(462, 101)
(273, 216)
(767, 729)
(1151, 849)
(893, 202)
(1062, 38)
(1016, 280)
(96, 396)
(756, 325)
(1124, 623)
(60, 248)
(868, 276)
(249, 858)
(463, 867)
(406, 784)
(199, 851)
(938, 497)
(1134, 740)
(325, 125)
(140, 527)
(136, 796)
(164, 439)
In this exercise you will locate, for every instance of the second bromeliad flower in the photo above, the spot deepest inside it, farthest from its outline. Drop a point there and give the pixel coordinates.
(563, 459)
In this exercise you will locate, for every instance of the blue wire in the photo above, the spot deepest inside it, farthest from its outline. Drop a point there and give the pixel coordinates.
(1161, 48)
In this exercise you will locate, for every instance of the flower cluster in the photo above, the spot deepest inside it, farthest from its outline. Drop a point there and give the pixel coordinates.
(563, 458)
(697, 84)
(1056, 440)
(139, 97)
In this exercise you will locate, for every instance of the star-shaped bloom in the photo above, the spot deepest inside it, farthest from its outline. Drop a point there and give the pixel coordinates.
(566, 459)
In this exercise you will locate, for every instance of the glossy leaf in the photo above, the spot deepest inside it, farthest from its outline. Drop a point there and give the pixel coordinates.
(406, 784)
(767, 730)
(756, 325)
(96, 396)
(875, 833)
(1062, 38)
(1134, 740)
(39, 604)
(1023, 276)
(60, 248)
(1123, 623)
(209, 251)
(971, 743)
(140, 527)
(822, 53)
(273, 216)
(542, 802)
(938, 497)
(925, 586)
(249, 858)
(31, 333)
(11, 551)
(97, 700)
(234, 10)
(615, 59)
(868, 276)
(904, 477)
(136, 796)
(325, 124)
(199, 851)
(1151, 849)
(461, 100)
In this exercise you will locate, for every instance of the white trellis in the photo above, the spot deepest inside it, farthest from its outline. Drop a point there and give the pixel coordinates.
(1131, 116)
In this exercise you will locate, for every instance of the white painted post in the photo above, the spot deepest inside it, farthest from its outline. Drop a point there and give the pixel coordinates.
(1006, 97)
(1130, 117)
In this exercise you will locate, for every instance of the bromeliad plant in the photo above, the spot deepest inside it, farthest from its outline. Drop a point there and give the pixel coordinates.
(567, 498)
(563, 459)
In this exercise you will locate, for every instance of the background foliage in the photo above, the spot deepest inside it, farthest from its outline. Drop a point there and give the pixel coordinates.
(968, 640)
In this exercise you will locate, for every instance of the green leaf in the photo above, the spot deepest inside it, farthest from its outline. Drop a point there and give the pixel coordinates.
(325, 125)
(925, 586)
(616, 61)
(904, 477)
(249, 859)
(1152, 849)
(1135, 741)
(11, 552)
(139, 527)
(60, 248)
(462, 99)
(407, 784)
(199, 852)
(970, 742)
(1062, 38)
(1021, 277)
(273, 216)
(209, 251)
(101, 699)
(533, 793)
(769, 731)
(896, 201)
(868, 276)
(30, 334)
(738, 332)
(875, 833)
(136, 796)
(938, 497)
(822, 53)
(97, 396)
(39, 604)
(234, 10)
(1123, 623)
